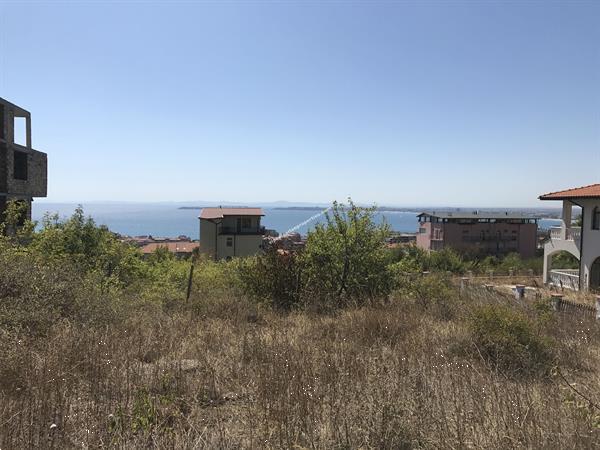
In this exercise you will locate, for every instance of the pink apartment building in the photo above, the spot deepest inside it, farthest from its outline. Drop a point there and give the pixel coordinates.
(478, 232)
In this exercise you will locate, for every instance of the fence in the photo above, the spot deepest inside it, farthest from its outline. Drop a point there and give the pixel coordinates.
(560, 304)
(557, 301)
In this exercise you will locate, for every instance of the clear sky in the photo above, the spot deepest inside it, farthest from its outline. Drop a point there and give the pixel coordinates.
(398, 103)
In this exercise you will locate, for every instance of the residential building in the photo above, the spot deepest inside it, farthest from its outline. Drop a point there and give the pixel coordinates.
(478, 232)
(23, 170)
(581, 242)
(229, 232)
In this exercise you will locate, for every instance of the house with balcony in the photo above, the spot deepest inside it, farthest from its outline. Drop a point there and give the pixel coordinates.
(479, 232)
(23, 170)
(229, 232)
(581, 242)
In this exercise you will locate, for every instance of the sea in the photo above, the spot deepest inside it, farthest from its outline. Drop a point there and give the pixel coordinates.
(169, 220)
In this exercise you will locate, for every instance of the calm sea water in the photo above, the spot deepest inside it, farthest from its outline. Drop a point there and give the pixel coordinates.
(170, 221)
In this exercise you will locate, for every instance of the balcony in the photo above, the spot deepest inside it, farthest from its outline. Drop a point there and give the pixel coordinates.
(566, 234)
(242, 231)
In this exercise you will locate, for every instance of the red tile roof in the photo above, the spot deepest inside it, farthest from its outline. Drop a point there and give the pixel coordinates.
(219, 213)
(174, 247)
(590, 191)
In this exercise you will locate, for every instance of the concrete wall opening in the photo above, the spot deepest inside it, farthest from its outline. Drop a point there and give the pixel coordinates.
(564, 260)
(20, 165)
(20, 131)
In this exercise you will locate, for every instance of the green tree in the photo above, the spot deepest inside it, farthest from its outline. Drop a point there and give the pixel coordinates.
(345, 259)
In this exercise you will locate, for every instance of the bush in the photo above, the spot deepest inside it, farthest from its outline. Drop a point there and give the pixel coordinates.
(433, 292)
(509, 341)
(35, 294)
(273, 277)
(92, 248)
(414, 259)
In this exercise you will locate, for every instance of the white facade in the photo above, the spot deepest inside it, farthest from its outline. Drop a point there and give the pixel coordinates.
(581, 242)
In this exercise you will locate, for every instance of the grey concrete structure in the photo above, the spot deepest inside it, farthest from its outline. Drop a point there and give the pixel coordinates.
(23, 170)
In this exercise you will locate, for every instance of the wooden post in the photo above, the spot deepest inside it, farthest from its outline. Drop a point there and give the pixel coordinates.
(556, 299)
(597, 307)
(464, 284)
(189, 286)
(469, 273)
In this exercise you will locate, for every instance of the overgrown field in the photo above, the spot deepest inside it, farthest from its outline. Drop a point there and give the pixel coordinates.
(99, 348)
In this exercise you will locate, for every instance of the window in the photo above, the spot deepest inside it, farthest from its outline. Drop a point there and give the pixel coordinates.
(246, 222)
(596, 219)
(229, 242)
(422, 230)
(20, 165)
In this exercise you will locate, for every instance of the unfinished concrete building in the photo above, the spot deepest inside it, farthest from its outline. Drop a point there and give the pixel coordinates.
(23, 170)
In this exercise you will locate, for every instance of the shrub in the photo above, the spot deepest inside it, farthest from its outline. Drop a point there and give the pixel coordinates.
(273, 277)
(35, 294)
(432, 292)
(414, 259)
(509, 341)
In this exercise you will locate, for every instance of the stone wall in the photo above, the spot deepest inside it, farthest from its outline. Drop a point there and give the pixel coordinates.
(37, 173)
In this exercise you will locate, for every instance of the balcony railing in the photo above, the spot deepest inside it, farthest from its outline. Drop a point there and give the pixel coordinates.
(573, 234)
(565, 278)
(566, 234)
(246, 231)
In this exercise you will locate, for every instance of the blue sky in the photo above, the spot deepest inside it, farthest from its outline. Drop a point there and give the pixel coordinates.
(398, 103)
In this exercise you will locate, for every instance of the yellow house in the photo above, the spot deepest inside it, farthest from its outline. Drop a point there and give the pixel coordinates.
(229, 232)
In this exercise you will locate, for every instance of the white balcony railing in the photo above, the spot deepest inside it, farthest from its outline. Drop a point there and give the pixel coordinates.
(566, 234)
(573, 234)
(565, 278)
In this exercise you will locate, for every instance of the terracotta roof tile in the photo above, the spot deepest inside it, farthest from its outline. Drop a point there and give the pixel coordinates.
(590, 191)
(174, 247)
(219, 213)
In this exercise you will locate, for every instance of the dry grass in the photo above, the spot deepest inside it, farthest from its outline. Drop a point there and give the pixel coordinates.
(232, 376)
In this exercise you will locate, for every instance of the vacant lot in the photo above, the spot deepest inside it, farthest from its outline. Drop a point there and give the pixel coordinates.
(404, 374)
(344, 345)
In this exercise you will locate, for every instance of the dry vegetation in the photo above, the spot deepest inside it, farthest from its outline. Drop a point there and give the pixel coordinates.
(229, 375)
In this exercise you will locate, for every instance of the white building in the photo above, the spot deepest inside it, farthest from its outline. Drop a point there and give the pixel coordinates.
(581, 242)
(229, 232)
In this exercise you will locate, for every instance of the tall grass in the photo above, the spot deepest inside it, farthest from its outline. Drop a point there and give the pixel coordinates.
(393, 375)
